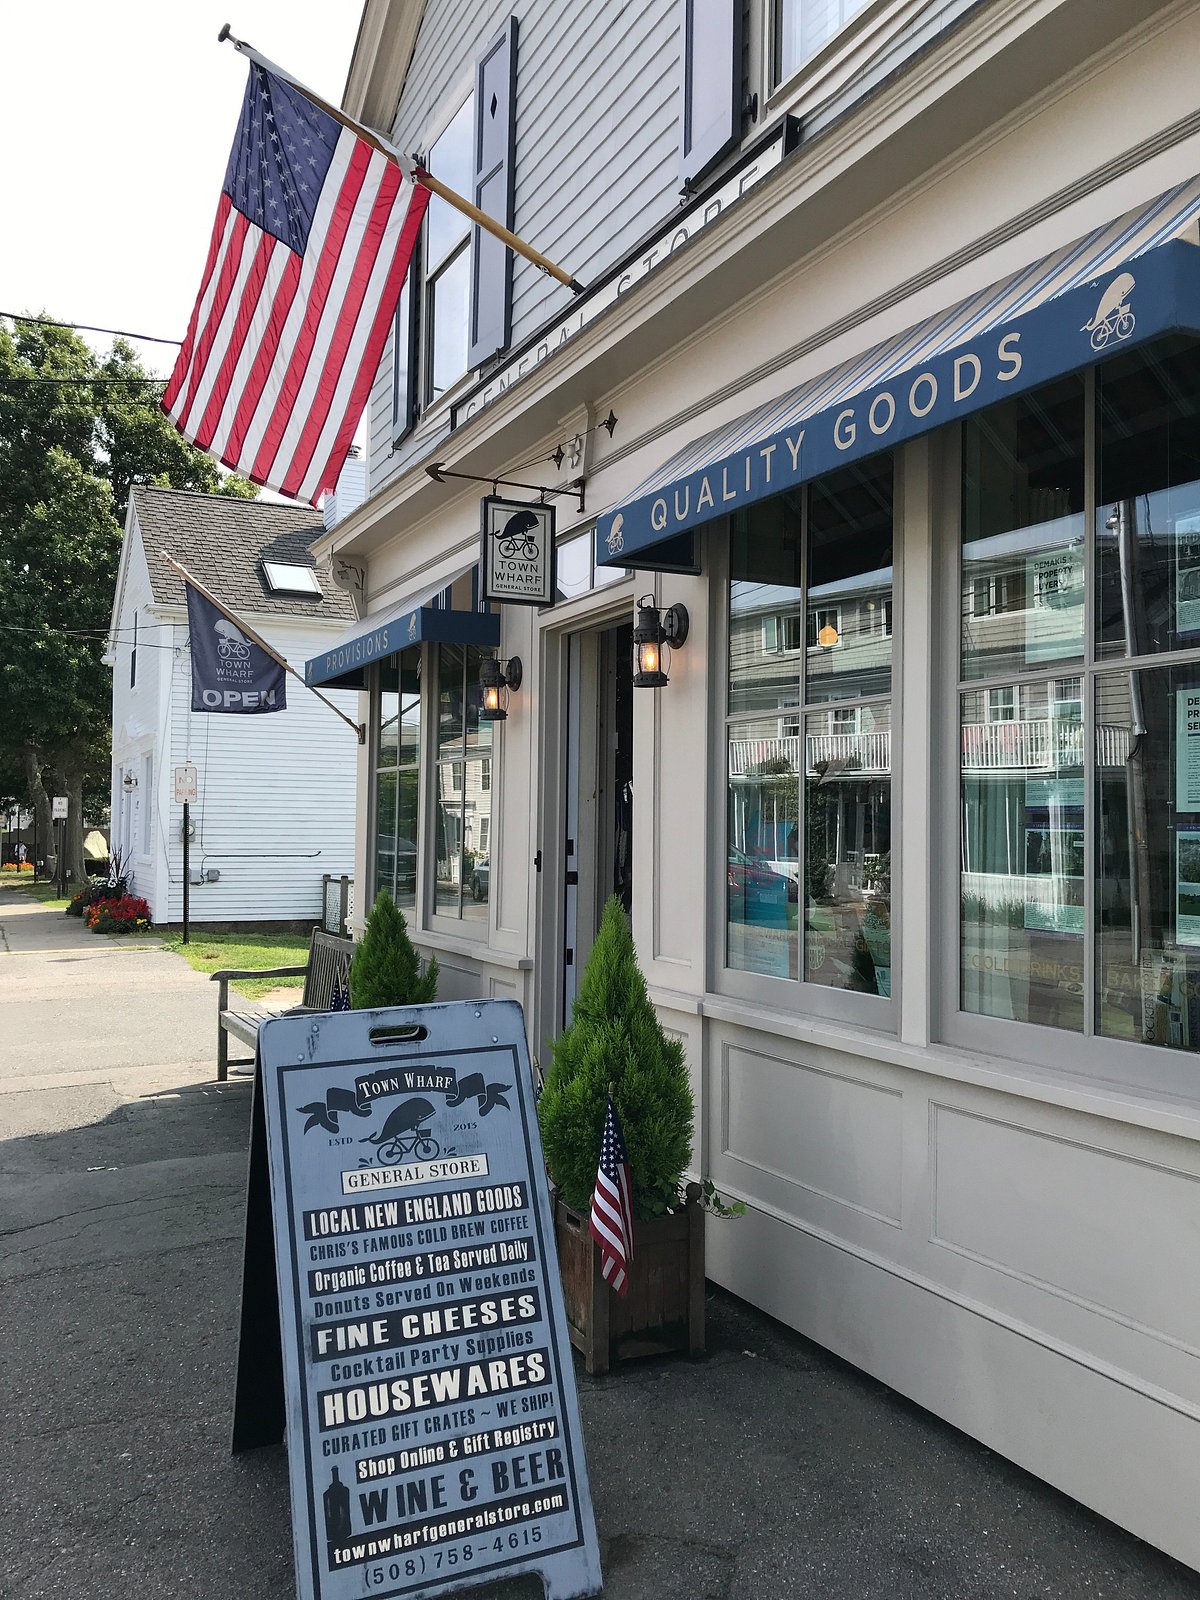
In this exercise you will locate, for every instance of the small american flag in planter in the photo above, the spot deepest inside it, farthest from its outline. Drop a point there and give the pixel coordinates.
(611, 1222)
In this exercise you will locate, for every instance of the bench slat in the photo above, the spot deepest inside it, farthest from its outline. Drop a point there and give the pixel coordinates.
(328, 965)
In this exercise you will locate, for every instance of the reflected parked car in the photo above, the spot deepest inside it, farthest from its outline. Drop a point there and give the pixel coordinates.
(751, 877)
(477, 883)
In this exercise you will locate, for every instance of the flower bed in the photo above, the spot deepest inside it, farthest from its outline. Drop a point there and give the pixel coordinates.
(128, 914)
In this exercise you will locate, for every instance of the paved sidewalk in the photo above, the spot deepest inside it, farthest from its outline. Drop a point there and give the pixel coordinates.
(770, 1471)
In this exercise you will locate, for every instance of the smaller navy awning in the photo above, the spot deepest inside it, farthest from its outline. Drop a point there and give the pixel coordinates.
(412, 621)
(1133, 280)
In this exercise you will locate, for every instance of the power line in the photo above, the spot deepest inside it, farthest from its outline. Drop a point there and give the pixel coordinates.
(158, 383)
(87, 327)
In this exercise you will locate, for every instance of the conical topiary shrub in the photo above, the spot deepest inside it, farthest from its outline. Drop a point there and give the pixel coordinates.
(616, 1038)
(385, 969)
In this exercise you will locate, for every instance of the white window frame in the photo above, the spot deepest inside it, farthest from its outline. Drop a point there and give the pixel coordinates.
(879, 1014)
(431, 271)
(433, 919)
(1088, 1058)
(825, 71)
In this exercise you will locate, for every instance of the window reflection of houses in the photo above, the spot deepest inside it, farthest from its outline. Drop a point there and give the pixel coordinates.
(1023, 799)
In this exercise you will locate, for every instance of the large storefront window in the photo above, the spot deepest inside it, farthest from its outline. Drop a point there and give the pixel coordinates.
(1080, 789)
(463, 797)
(808, 861)
(397, 767)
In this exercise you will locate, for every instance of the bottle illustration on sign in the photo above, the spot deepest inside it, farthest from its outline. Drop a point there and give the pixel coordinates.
(337, 1510)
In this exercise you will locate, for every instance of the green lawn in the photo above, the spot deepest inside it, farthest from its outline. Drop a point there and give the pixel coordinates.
(208, 952)
(45, 892)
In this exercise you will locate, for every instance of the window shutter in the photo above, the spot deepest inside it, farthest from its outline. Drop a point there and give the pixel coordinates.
(491, 261)
(712, 78)
(405, 352)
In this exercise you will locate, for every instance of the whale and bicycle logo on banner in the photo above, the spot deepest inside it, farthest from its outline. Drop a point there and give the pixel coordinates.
(230, 672)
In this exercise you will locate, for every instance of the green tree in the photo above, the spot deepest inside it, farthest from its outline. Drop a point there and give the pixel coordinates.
(615, 1039)
(76, 433)
(386, 970)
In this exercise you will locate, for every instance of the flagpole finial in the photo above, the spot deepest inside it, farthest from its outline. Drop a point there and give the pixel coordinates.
(225, 33)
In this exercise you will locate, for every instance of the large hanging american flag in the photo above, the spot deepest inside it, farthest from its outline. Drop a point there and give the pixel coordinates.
(314, 233)
(611, 1221)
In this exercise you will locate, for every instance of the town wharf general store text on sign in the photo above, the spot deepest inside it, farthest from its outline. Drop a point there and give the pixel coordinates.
(432, 1421)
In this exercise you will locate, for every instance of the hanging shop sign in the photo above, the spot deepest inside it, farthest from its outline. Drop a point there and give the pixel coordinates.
(423, 1368)
(516, 564)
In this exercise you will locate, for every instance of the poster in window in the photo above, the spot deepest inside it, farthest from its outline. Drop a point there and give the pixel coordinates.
(1187, 887)
(1054, 855)
(1187, 749)
(1054, 590)
(1187, 575)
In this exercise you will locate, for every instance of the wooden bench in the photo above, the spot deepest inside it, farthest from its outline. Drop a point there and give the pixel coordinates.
(327, 967)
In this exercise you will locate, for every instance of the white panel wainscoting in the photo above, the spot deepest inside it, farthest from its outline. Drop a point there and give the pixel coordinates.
(1092, 1224)
(788, 1127)
(1034, 1285)
(1126, 1452)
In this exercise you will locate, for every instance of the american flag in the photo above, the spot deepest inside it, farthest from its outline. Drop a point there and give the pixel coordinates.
(339, 1000)
(314, 233)
(611, 1222)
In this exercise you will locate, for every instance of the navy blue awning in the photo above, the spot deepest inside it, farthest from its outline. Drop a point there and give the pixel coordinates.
(413, 621)
(1131, 281)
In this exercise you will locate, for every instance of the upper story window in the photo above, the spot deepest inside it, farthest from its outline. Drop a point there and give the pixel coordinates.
(455, 312)
(448, 259)
(804, 27)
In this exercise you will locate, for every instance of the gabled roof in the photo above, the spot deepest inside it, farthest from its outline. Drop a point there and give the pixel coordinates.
(223, 543)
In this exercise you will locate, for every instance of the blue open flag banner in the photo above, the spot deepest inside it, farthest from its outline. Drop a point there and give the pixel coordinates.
(230, 673)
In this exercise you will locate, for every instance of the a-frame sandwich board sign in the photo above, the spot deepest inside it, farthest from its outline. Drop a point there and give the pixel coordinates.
(413, 1315)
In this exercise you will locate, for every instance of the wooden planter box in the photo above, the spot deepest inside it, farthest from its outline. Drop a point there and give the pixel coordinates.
(663, 1309)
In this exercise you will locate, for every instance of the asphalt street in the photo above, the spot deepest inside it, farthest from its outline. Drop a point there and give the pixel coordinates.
(768, 1471)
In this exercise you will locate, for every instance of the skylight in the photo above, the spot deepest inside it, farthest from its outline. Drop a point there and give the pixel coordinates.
(284, 578)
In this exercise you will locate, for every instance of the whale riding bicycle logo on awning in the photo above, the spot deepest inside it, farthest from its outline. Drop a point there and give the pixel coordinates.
(1113, 318)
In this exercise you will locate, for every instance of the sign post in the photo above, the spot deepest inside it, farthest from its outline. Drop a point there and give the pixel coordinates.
(185, 791)
(428, 1390)
(58, 812)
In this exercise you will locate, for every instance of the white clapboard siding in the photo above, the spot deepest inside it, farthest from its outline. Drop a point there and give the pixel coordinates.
(276, 795)
(139, 719)
(597, 136)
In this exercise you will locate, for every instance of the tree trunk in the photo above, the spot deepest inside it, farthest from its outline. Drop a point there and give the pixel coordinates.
(40, 801)
(70, 783)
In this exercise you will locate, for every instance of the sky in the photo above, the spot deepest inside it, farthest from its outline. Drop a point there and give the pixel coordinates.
(116, 121)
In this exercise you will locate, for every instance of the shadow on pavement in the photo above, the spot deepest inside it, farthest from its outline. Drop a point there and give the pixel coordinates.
(770, 1469)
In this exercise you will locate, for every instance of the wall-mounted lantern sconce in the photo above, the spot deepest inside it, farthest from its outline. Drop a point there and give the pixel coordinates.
(129, 782)
(495, 684)
(653, 640)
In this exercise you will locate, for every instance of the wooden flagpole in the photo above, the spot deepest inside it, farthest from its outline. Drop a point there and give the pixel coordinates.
(411, 169)
(360, 728)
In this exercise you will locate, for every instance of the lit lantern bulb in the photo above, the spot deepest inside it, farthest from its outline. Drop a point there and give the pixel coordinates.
(491, 698)
(650, 658)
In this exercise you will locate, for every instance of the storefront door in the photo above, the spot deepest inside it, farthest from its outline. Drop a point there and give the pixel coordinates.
(598, 814)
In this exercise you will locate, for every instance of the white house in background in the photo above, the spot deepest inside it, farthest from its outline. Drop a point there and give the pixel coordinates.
(275, 792)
